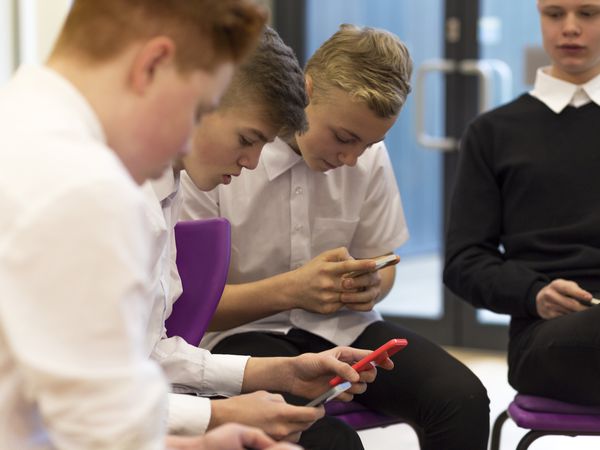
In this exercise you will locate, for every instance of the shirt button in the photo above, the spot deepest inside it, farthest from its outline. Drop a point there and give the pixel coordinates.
(299, 190)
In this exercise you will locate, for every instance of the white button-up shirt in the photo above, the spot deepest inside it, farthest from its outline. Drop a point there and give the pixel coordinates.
(557, 94)
(283, 214)
(74, 268)
(188, 368)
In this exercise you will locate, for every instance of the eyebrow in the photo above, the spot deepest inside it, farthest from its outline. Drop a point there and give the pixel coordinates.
(358, 138)
(204, 108)
(258, 134)
(354, 135)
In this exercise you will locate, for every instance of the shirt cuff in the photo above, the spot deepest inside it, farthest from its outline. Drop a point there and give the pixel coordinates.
(188, 414)
(232, 365)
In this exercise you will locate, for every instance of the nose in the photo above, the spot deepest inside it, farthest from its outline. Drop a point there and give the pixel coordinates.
(350, 157)
(249, 159)
(571, 25)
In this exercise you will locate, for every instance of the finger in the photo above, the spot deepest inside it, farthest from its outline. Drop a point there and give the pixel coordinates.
(362, 282)
(566, 304)
(352, 265)
(368, 375)
(293, 437)
(255, 438)
(304, 416)
(348, 354)
(386, 364)
(345, 396)
(351, 298)
(357, 388)
(557, 311)
(361, 307)
(571, 289)
(337, 254)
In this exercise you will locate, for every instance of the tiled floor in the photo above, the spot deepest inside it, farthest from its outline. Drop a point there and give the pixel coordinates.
(491, 369)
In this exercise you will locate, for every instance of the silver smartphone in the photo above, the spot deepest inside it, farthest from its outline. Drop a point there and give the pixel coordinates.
(330, 394)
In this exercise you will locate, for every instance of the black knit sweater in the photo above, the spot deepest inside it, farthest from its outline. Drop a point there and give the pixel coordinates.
(526, 206)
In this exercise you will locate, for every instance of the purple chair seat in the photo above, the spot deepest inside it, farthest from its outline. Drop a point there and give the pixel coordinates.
(539, 413)
(358, 416)
(545, 416)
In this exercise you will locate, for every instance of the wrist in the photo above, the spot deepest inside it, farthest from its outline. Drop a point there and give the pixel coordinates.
(270, 374)
(287, 289)
(219, 414)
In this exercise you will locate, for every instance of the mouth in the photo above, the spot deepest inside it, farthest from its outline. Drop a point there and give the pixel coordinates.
(571, 47)
(228, 177)
(329, 166)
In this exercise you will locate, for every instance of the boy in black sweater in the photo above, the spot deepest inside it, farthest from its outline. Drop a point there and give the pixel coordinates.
(524, 230)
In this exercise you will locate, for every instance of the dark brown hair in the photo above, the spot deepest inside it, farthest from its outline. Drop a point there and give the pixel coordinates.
(272, 79)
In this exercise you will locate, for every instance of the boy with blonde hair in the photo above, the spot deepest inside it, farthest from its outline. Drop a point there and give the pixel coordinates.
(115, 102)
(315, 202)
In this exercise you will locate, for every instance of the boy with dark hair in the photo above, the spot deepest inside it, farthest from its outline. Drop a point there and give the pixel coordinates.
(266, 98)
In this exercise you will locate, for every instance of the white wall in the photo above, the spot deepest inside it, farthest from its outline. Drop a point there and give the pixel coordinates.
(39, 23)
(7, 39)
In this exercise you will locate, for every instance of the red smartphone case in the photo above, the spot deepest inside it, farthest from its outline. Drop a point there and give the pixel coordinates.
(385, 351)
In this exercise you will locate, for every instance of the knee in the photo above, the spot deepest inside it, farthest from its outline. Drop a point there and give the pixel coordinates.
(331, 434)
(465, 396)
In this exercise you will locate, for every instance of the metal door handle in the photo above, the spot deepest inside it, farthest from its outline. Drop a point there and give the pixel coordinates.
(484, 69)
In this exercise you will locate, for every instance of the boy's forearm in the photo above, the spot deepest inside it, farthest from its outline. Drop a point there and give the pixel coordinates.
(245, 303)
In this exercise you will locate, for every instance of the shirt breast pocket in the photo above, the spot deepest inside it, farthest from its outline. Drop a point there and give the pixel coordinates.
(332, 233)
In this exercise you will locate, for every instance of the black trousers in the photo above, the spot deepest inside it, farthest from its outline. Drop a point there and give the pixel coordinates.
(435, 393)
(559, 358)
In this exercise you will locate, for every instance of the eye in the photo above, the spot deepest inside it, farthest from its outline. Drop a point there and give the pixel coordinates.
(553, 13)
(586, 13)
(342, 140)
(245, 142)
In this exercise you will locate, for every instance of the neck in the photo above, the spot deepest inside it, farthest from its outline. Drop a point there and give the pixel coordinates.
(178, 166)
(575, 78)
(293, 143)
(104, 86)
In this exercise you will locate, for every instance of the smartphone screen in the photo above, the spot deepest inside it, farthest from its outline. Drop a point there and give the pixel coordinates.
(380, 263)
(330, 394)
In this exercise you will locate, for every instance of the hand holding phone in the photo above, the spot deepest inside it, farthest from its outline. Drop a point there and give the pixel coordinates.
(380, 263)
(378, 356)
(330, 394)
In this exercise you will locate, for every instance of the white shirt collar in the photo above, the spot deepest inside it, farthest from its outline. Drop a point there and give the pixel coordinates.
(167, 185)
(557, 94)
(278, 157)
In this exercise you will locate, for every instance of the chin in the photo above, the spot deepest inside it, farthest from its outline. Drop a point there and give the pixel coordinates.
(157, 173)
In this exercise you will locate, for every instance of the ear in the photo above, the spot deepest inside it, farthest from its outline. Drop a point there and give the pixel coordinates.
(153, 55)
(308, 85)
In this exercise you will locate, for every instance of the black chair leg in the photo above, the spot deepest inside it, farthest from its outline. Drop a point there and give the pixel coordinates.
(528, 439)
(497, 430)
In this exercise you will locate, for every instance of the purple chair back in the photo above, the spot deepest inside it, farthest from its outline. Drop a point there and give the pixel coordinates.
(545, 416)
(203, 251)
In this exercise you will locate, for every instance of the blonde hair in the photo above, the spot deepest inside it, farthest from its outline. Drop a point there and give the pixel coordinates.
(370, 64)
(205, 32)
